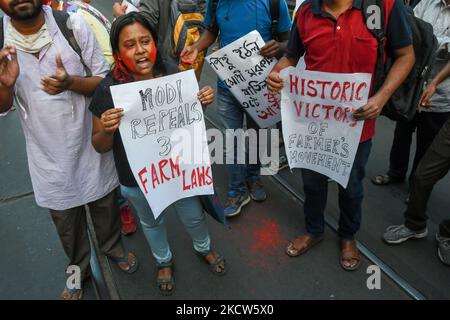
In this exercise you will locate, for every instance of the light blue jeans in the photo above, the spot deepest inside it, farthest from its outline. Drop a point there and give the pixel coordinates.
(191, 215)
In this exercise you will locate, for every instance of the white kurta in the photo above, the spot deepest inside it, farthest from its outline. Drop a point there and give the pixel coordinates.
(65, 169)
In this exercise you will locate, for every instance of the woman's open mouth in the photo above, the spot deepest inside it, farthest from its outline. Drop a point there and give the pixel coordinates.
(143, 62)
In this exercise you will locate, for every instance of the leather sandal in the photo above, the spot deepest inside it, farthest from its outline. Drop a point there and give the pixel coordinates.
(72, 294)
(349, 253)
(306, 242)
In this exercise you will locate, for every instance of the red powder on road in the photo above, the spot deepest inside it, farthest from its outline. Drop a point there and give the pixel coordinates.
(262, 244)
(267, 237)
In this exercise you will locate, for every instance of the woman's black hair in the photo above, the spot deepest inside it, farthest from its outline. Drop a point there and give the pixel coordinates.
(126, 20)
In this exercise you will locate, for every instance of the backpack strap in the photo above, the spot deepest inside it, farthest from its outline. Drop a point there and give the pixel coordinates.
(275, 15)
(380, 35)
(213, 25)
(65, 26)
(2, 36)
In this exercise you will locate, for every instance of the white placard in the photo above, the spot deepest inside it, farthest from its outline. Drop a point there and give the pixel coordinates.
(318, 129)
(244, 71)
(163, 132)
(130, 7)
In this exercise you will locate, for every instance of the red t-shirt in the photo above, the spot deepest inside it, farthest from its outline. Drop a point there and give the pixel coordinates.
(345, 45)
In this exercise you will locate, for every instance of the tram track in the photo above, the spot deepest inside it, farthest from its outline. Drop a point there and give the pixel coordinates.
(394, 276)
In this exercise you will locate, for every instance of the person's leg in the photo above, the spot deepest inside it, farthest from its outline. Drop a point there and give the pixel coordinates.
(443, 241)
(315, 187)
(72, 230)
(232, 115)
(401, 145)
(105, 217)
(429, 124)
(444, 228)
(253, 170)
(191, 214)
(156, 234)
(154, 230)
(127, 219)
(350, 204)
(350, 198)
(399, 154)
(433, 167)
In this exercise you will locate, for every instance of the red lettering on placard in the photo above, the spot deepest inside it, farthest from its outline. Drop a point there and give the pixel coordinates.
(185, 187)
(293, 83)
(209, 180)
(358, 91)
(161, 166)
(154, 176)
(175, 167)
(143, 181)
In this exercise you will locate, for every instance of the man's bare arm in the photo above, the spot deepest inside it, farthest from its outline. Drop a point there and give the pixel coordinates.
(9, 71)
(6, 98)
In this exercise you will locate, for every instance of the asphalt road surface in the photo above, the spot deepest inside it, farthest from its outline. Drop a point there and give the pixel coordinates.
(34, 262)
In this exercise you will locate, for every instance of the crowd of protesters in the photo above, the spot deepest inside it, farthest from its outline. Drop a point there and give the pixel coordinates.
(77, 159)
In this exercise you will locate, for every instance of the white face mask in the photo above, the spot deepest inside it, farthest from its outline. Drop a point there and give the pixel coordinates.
(32, 43)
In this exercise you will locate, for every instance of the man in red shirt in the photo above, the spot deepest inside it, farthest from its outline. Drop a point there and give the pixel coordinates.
(333, 37)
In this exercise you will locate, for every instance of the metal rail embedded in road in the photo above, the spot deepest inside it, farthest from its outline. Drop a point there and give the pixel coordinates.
(393, 275)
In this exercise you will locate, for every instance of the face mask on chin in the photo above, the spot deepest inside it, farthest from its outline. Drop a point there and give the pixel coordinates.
(28, 43)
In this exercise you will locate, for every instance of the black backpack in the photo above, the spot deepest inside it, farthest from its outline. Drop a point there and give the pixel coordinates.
(274, 13)
(403, 104)
(63, 22)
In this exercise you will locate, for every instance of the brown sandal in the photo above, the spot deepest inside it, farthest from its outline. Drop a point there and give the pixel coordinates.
(72, 294)
(306, 242)
(349, 253)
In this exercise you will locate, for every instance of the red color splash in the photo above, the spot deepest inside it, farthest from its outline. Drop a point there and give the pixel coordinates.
(266, 246)
(267, 236)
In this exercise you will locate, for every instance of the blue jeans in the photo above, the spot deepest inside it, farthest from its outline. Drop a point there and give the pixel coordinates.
(315, 186)
(232, 117)
(191, 215)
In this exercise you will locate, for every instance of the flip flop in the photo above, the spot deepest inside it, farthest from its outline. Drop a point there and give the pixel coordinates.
(132, 267)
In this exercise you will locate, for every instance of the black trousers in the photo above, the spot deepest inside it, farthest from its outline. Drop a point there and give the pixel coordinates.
(428, 125)
(434, 165)
(71, 225)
